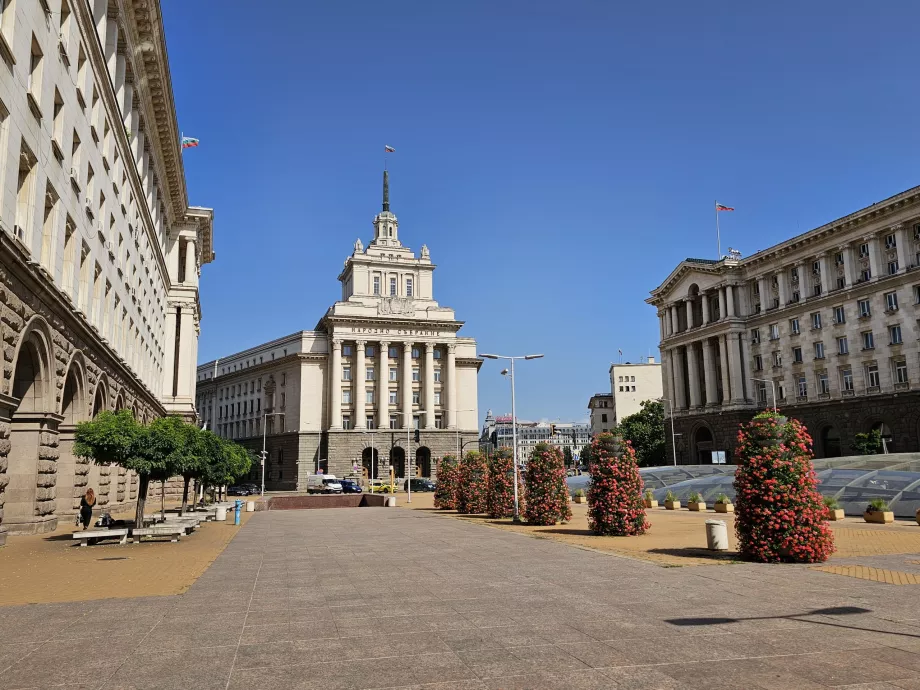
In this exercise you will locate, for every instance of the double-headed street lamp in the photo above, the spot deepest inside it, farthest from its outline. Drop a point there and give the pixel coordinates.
(265, 452)
(517, 517)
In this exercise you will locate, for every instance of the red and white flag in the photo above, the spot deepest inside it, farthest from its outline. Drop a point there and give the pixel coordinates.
(720, 207)
(388, 149)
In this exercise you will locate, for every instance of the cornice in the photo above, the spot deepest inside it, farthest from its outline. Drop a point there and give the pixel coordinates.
(377, 322)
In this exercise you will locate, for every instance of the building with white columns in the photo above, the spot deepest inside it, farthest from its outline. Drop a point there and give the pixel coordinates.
(100, 250)
(826, 322)
(384, 360)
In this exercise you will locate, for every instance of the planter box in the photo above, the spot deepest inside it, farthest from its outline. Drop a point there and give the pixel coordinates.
(835, 514)
(724, 507)
(879, 516)
(654, 504)
(697, 507)
(672, 505)
(580, 499)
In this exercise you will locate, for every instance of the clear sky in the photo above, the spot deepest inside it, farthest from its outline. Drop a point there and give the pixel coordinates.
(558, 158)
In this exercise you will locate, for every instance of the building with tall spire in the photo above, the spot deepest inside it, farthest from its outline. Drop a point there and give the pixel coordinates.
(385, 360)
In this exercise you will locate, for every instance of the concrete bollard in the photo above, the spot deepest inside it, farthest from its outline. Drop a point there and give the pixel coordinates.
(250, 506)
(716, 535)
(220, 514)
(391, 501)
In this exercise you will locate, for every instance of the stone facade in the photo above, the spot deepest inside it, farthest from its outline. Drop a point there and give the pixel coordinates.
(99, 248)
(824, 326)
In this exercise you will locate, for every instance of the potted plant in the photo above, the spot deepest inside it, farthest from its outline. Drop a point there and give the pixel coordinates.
(834, 511)
(877, 511)
(649, 499)
(580, 496)
(695, 502)
(670, 501)
(723, 504)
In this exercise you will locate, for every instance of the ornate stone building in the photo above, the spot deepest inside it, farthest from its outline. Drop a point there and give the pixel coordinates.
(99, 248)
(826, 324)
(384, 360)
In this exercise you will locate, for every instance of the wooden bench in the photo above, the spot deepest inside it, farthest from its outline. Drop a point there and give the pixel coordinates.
(161, 530)
(86, 537)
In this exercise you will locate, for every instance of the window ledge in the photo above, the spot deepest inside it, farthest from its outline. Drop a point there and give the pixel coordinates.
(824, 396)
(33, 105)
(6, 52)
(902, 386)
(848, 394)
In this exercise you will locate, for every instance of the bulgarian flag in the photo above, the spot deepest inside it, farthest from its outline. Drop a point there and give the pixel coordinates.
(720, 207)
(388, 149)
(189, 142)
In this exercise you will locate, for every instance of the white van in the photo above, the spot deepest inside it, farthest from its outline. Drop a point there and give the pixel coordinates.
(323, 484)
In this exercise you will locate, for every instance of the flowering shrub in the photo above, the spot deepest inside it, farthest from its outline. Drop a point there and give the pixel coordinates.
(615, 491)
(547, 493)
(780, 515)
(445, 492)
(501, 485)
(472, 484)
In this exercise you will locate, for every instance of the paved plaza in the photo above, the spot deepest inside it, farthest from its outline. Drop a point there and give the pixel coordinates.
(384, 598)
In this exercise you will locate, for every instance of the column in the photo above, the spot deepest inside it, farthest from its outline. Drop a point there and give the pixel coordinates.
(680, 392)
(746, 364)
(383, 387)
(849, 265)
(406, 386)
(360, 385)
(723, 309)
(734, 366)
(675, 322)
(689, 313)
(826, 284)
(783, 289)
(723, 354)
(185, 381)
(873, 255)
(709, 374)
(705, 299)
(730, 300)
(763, 295)
(452, 421)
(429, 386)
(901, 238)
(191, 265)
(666, 386)
(693, 374)
(335, 386)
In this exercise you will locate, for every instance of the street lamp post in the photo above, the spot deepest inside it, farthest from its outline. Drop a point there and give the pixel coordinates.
(371, 472)
(459, 446)
(673, 435)
(517, 517)
(772, 388)
(408, 460)
(264, 452)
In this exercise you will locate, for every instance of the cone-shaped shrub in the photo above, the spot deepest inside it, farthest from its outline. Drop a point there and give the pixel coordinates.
(547, 493)
(473, 484)
(445, 492)
(615, 492)
(501, 485)
(779, 513)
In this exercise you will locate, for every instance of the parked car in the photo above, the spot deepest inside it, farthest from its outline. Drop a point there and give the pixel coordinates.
(323, 484)
(419, 484)
(350, 486)
(239, 490)
(380, 486)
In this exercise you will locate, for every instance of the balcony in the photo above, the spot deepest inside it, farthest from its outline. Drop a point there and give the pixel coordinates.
(904, 386)
(848, 393)
(824, 396)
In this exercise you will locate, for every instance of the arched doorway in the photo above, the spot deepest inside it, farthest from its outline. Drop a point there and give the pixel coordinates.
(71, 471)
(423, 462)
(398, 461)
(702, 444)
(830, 442)
(98, 400)
(887, 437)
(369, 463)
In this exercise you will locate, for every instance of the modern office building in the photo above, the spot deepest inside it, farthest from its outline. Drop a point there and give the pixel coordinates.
(630, 385)
(824, 325)
(566, 435)
(385, 360)
(99, 248)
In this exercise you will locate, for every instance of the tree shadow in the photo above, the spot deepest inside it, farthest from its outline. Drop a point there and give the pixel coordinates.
(698, 552)
(572, 531)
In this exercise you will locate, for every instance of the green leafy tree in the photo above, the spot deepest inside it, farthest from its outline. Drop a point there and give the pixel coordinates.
(567, 457)
(645, 432)
(223, 460)
(586, 456)
(868, 444)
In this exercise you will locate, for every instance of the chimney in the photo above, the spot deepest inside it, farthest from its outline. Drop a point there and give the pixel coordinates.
(651, 360)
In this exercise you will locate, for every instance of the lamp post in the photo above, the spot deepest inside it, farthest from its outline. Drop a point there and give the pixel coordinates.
(371, 473)
(517, 517)
(408, 459)
(772, 388)
(673, 435)
(265, 452)
(459, 446)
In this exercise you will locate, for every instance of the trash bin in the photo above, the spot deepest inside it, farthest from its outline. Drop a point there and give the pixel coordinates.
(250, 506)
(391, 501)
(220, 514)
(716, 535)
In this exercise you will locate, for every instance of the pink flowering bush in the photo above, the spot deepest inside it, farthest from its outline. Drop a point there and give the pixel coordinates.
(547, 493)
(472, 484)
(779, 513)
(501, 485)
(615, 494)
(445, 492)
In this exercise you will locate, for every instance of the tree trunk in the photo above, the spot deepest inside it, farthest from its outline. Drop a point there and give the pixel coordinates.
(188, 480)
(143, 480)
(163, 499)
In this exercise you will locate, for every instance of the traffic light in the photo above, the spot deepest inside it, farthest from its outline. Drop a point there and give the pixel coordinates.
(494, 439)
(552, 429)
(417, 436)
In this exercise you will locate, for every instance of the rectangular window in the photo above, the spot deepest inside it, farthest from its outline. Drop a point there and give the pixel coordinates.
(392, 287)
(892, 267)
(866, 275)
(408, 287)
(393, 397)
(816, 320)
(840, 315)
(803, 387)
(758, 363)
(774, 331)
(438, 422)
(346, 351)
(346, 396)
(282, 400)
(780, 389)
(846, 378)
(894, 333)
(394, 421)
(394, 353)
(794, 327)
(794, 272)
(890, 242)
(371, 422)
(762, 391)
(872, 378)
(369, 374)
(819, 350)
(437, 397)
(437, 375)
(346, 421)
(864, 308)
(755, 335)
(864, 250)
(777, 359)
(891, 301)
(916, 294)
(394, 376)
(797, 355)
(415, 374)
(437, 354)
(816, 289)
(416, 397)
(370, 351)
(868, 341)
(369, 396)
(900, 371)
(841, 282)
(824, 386)
(346, 373)
(376, 285)
(415, 353)
(843, 347)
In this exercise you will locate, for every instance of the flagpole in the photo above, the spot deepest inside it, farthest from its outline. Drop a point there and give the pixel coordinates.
(715, 205)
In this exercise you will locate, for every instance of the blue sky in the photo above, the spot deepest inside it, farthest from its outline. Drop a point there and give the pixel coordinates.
(558, 158)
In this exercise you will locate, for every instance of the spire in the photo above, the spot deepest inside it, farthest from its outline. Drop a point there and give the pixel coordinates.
(386, 190)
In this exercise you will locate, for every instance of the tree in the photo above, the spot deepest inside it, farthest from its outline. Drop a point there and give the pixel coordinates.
(472, 493)
(500, 502)
(615, 493)
(780, 514)
(445, 492)
(868, 444)
(223, 460)
(585, 457)
(645, 432)
(567, 457)
(547, 492)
